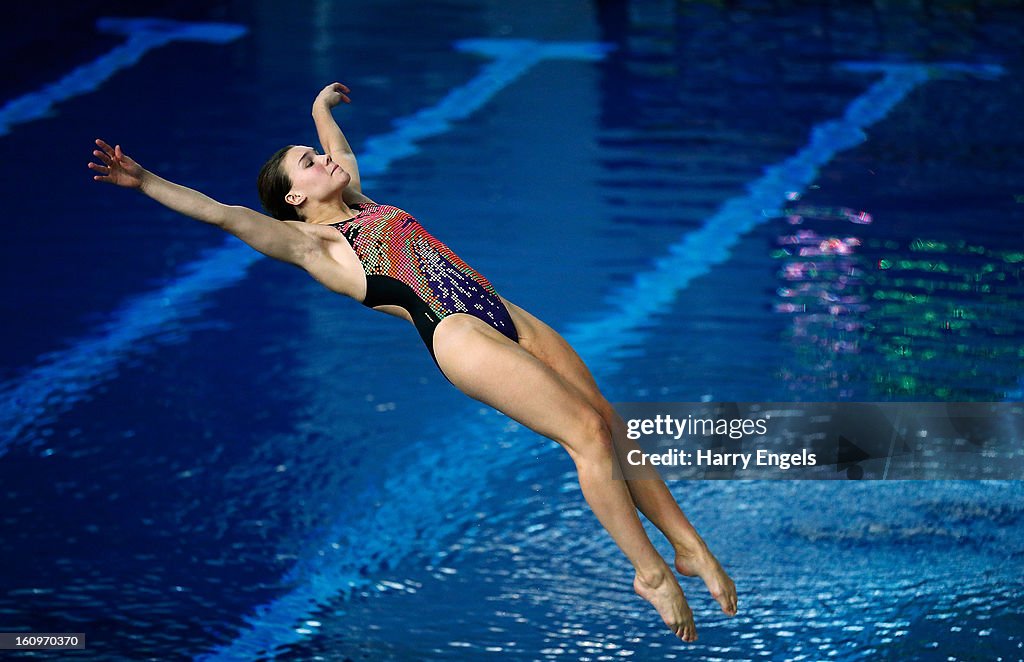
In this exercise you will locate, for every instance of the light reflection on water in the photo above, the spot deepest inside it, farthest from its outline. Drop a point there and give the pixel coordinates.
(879, 319)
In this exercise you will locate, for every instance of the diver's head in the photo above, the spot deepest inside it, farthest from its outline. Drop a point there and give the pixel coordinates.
(296, 179)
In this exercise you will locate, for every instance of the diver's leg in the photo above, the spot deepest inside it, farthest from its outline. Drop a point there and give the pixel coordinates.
(649, 492)
(487, 366)
(652, 496)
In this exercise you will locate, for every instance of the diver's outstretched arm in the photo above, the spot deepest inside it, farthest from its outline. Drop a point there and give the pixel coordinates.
(276, 239)
(333, 140)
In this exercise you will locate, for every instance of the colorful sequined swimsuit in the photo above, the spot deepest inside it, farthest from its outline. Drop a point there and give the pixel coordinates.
(406, 266)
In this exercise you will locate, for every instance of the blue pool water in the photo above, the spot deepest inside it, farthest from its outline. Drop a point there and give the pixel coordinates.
(207, 455)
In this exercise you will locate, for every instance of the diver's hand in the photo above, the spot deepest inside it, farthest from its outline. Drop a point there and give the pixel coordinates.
(333, 94)
(118, 168)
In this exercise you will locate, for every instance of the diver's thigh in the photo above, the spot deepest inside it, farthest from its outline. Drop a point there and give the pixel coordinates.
(554, 351)
(487, 366)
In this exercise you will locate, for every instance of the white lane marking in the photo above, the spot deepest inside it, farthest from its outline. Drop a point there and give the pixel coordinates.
(651, 292)
(144, 34)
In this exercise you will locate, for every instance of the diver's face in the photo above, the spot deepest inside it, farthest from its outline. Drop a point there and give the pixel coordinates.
(313, 176)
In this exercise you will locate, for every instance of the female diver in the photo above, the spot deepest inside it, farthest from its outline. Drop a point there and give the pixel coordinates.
(486, 346)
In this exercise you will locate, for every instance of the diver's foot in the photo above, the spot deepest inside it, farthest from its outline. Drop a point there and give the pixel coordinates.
(702, 563)
(664, 593)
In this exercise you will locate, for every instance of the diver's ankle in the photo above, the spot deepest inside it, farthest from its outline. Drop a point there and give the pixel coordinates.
(653, 576)
(694, 548)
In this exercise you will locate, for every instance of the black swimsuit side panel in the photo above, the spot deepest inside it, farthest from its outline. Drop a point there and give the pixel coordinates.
(388, 291)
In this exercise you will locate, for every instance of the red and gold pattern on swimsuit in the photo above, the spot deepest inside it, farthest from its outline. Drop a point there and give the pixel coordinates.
(407, 266)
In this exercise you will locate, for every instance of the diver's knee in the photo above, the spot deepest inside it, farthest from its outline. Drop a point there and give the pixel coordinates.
(591, 437)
